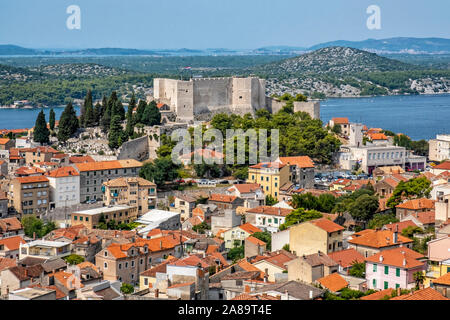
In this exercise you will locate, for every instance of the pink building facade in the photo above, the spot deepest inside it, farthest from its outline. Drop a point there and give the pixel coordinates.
(380, 276)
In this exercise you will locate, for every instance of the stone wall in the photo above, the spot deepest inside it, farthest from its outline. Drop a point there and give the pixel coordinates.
(137, 149)
(310, 107)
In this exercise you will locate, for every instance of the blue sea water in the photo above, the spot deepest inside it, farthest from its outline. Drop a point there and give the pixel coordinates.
(418, 116)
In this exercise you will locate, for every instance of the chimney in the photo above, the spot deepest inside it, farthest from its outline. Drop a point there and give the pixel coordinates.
(286, 295)
(310, 294)
(247, 289)
(160, 244)
(399, 291)
(381, 258)
(25, 271)
(156, 293)
(34, 235)
(395, 235)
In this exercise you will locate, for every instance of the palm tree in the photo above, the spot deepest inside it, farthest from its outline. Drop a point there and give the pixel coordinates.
(419, 278)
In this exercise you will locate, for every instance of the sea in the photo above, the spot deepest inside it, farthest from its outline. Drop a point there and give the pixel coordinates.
(418, 116)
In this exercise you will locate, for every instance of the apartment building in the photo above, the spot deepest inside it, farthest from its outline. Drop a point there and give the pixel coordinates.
(44, 249)
(301, 170)
(64, 187)
(439, 148)
(270, 175)
(30, 195)
(94, 174)
(132, 191)
(91, 218)
(37, 154)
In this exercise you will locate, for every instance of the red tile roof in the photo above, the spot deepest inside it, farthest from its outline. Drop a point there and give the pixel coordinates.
(255, 241)
(327, 225)
(378, 295)
(333, 282)
(340, 120)
(81, 159)
(179, 285)
(12, 243)
(10, 224)
(263, 165)
(273, 211)
(299, 161)
(63, 172)
(401, 257)
(246, 187)
(378, 239)
(378, 136)
(444, 280)
(26, 171)
(424, 294)
(249, 228)
(400, 225)
(222, 198)
(346, 258)
(417, 204)
(31, 179)
(443, 166)
(6, 263)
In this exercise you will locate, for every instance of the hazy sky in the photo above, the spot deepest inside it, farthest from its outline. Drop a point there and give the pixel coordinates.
(200, 24)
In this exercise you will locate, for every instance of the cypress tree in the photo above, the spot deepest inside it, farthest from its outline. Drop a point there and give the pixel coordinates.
(106, 118)
(51, 119)
(68, 123)
(89, 118)
(41, 132)
(130, 120)
(98, 113)
(152, 116)
(140, 112)
(115, 132)
(118, 110)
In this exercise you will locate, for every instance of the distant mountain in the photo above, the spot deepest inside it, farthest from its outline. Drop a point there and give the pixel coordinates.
(12, 50)
(401, 45)
(394, 45)
(334, 60)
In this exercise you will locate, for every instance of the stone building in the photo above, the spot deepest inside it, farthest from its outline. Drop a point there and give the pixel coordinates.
(30, 195)
(91, 218)
(132, 191)
(94, 174)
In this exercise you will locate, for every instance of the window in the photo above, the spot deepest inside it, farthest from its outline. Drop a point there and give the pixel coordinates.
(397, 272)
(397, 286)
(87, 219)
(374, 283)
(120, 266)
(386, 285)
(132, 263)
(386, 270)
(126, 265)
(141, 261)
(374, 267)
(106, 253)
(146, 281)
(81, 218)
(75, 218)
(105, 265)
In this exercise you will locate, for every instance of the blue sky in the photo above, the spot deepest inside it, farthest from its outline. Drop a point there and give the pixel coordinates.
(150, 24)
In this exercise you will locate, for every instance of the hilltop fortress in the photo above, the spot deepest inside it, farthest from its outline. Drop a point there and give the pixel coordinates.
(200, 98)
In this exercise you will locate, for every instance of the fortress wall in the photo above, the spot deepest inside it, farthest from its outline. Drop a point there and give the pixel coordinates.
(184, 104)
(310, 107)
(210, 94)
(137, 149)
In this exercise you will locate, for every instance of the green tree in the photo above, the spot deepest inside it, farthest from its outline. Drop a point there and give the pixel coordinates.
(287, 247)
(337, 129)
(127, 288)
(152, 115)
(419, 278)
(266, 237)
(236, 253)
(51, 119)
(364, 207)
(419, 187)
(116, 133)
(271, 201)
(201, 227)
(41, 133)
(160, 171)
(74, 259)
(358, 269)
(298, 216)
(35, 227)
(130, 121)
(379, 220)
(410, 231)
(89, 115)
(142, 105)
(68, 123)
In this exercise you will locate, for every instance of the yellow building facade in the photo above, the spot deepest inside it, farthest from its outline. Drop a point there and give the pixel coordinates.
(270, 175)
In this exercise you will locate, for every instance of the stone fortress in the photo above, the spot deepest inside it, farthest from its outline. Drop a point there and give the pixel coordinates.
(201, 98)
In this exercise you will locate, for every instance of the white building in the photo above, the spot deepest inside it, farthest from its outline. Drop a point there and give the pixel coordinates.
(64, 187)
(159, 219)
(371, 156)
(439, 148)
(44, 249)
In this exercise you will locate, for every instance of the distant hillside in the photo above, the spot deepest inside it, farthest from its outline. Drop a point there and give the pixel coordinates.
(11, 50)
(394, 45)
(335, 60)
(349, 72)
